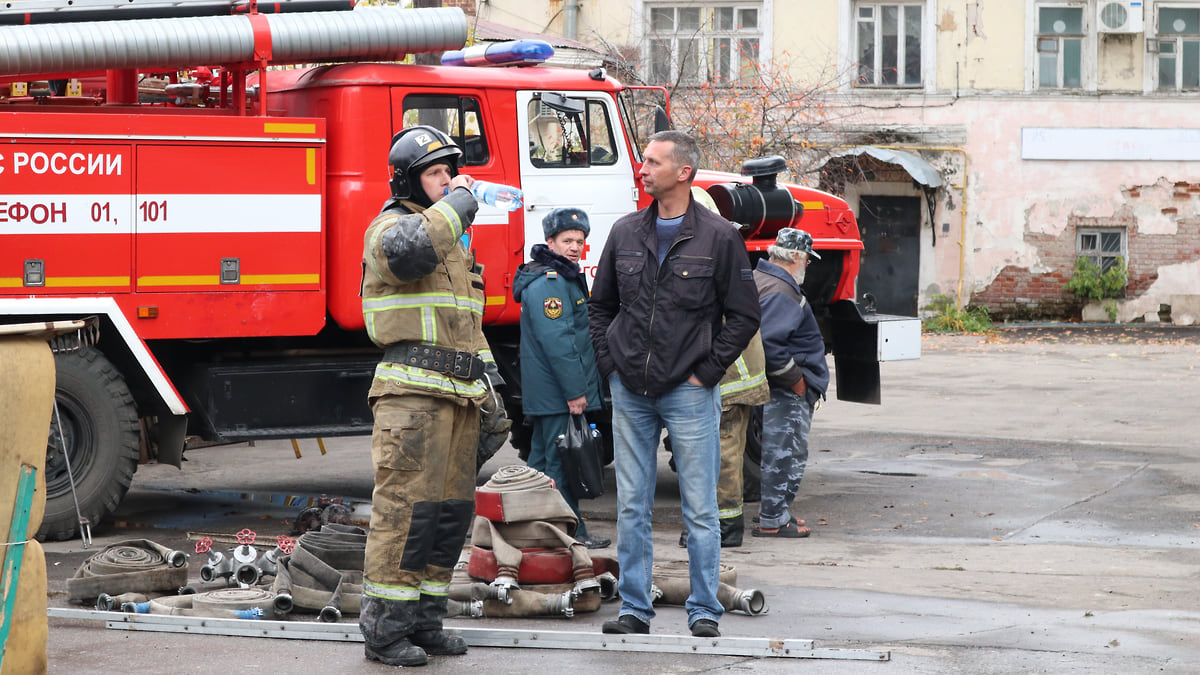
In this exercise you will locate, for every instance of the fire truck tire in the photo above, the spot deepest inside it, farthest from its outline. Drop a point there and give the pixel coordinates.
(100, 426)
(752, 458)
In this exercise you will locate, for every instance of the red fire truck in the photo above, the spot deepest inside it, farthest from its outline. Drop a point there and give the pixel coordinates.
(212, 223)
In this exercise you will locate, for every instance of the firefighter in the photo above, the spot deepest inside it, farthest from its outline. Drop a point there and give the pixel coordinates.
(423, 303)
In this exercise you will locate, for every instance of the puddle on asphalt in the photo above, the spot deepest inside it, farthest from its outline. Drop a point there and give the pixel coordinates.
(957, 456)
(194, 507)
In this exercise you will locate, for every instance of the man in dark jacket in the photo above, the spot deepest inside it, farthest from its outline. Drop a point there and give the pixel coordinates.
(797, 374)
(672, 306)
(558, 366)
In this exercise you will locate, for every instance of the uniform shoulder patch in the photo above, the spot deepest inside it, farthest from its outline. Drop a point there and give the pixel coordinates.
(551, 274)
(553, 308)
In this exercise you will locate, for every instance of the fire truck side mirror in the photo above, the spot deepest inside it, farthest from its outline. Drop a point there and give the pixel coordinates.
(661, 121)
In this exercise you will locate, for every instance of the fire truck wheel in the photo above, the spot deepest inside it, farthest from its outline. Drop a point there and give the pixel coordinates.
(99, 433)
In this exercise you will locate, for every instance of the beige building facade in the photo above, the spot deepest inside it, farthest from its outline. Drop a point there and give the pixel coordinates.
(984, 145)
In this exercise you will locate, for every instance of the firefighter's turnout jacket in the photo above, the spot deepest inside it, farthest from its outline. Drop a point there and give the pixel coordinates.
(430, 293)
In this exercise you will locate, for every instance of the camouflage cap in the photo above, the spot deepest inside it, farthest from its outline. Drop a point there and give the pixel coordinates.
(796, 240)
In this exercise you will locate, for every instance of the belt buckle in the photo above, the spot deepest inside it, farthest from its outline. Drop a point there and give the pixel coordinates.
(461, 367)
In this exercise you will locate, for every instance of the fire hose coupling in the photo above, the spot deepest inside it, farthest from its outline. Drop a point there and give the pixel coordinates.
(472, 609)
(586, 586)
(503, 585)
(562, 603)
(656, 593)
(750, 601)
(283, 604)
(608, 586)
(329, 614)
(109, 603)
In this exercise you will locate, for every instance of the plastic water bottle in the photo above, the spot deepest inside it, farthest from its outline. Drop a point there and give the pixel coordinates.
(495, 194)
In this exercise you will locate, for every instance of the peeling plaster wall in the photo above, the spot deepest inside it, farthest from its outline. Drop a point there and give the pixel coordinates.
(612, 20)
(1021, 215)
(975, 45)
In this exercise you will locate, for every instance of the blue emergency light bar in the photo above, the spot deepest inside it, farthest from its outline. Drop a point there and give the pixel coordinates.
(511, 53)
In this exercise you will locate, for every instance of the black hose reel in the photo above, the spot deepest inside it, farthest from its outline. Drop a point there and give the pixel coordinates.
(761, 208)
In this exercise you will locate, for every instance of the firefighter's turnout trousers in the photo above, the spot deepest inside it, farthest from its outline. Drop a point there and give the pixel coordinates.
(743, 387)
(423, 449)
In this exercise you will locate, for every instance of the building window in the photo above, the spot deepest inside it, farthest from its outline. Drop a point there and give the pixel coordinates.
(888, 44)
(1105, 248)
(1060, 39)
(696, 43)
(1178, 44)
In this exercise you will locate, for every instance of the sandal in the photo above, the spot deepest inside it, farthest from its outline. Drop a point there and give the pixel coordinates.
(794, 520)
(789, 531)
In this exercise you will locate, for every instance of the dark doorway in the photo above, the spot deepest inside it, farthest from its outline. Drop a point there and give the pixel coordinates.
(891, 228)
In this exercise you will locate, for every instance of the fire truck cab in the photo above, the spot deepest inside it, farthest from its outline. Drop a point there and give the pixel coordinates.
(211, 226)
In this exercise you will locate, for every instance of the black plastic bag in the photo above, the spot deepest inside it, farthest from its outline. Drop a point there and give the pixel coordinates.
(579, 452)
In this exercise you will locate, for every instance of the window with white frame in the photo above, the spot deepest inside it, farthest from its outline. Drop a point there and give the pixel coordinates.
(1177, 43)
(887, 44)
(1104, 247)
(1060, 40)
(695, 42)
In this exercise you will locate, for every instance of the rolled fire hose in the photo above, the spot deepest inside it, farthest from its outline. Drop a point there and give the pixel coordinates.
(132, 566)
(518, 508)
(323, 573)
(230, 603)
(671, 586)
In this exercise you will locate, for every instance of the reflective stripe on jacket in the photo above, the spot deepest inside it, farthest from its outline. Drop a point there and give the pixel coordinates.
(444, 307)
(745, 382)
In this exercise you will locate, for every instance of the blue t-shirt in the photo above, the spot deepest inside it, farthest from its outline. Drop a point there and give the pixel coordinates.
(668, 229)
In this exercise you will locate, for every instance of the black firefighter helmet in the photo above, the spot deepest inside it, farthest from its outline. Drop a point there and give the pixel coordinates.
(413, 150)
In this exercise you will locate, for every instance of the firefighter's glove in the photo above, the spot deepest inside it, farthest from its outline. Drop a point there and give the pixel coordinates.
(494, 424)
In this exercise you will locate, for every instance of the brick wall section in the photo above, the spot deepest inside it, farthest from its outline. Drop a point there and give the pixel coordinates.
(1018, 293)
(467, 6)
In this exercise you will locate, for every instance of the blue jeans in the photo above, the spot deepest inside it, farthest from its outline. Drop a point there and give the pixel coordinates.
(787, 419)
(692, 415)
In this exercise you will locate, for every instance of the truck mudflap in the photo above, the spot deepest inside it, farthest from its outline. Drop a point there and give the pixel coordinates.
(861, 341)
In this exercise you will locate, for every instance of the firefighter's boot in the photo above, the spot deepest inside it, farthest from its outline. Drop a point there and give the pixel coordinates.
(387, 626)
(429, 634)
(731, 531)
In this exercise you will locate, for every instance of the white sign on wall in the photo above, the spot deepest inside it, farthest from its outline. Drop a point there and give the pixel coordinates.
(1105, 144)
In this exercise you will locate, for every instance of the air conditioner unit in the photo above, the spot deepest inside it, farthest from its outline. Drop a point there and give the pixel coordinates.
(1119, 16)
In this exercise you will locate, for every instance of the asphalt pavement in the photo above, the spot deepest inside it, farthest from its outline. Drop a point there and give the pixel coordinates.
(1025, 501)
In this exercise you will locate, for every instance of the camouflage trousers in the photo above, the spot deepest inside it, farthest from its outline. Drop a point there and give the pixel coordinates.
(734, 421)
(423, 449)
(787, 419)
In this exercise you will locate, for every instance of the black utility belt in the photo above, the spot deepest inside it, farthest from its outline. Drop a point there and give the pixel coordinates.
(461, 365)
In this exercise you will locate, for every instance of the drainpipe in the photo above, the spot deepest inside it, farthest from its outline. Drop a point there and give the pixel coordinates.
(571, 19)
